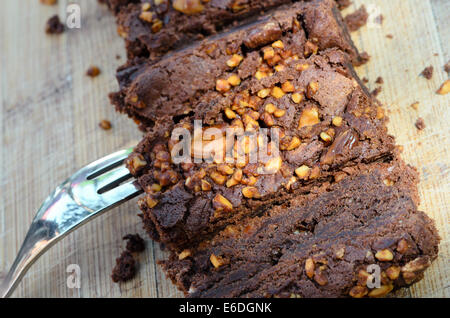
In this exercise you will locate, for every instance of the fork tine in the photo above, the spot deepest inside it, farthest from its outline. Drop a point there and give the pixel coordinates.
(111, 179)
(104, 164)
(120, 194)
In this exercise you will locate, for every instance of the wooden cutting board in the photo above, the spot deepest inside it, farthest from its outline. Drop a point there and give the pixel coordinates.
(50, 112)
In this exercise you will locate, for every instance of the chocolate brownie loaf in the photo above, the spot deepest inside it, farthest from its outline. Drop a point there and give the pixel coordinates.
(320, 244)
(153, 29)
(254, 56)
(325, 121)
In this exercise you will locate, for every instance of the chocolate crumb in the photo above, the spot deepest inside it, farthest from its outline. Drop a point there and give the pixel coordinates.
(365, 80)
(135, 243)
(118, 57)
(93, 71)
(427, 72)
(357, 19)
(125, 268)
(342, 4)
(420, 124)
(54, 26)
(364, 57)
(105, 124)
(447, 67)
(379, 80)
(49, 2)
(376, 91)
(415, 105)
(379, 19)
(389, 36)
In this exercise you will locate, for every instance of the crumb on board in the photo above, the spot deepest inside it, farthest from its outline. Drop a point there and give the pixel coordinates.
(356, 19)
(342, 4)
(447, 67)
(364, 57)
(420, 124)
(135, 243)
(105, 124)
(54, 25)
(427, 72)
(445, 88)
(49, 2)
(376, 91)
(389, 36)
(93, 71)
(379, 80)
(125, 268)
(415, 105)
(365, 80)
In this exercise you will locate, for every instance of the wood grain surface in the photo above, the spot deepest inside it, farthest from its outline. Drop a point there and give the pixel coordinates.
(50, 112)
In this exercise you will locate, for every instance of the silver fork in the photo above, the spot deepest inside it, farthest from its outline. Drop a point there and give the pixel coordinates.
(88, 193)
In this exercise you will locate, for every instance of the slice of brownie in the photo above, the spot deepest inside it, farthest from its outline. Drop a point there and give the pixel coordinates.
(321, 244)
(186, 80)
(151, 30)
(332, 125)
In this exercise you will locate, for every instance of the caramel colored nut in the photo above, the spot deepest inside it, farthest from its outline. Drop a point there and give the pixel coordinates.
(184, 254)
(393, 272)
(278, 44)
(270, 108)
(291, 181)
(259, 75)
(220, 203)
(312, 89)
(251, 180)
(280, 68)
(155, 188)
(234, 80)
(269, 53)
(146, 6)
(358, 292)
(309, 267)
(445, 88)
(301, 67)
(222, 86)
(225, 169)
(310, 48)
(320, 278)
(337, 121)
(277, 92)
(303, 172)
(151, 202)
(157, 26)
(315, 172)
(263, 93)
(388, 182)
(287, 87)
(293, 144)
(339, 254)
(309, 117)
(235, 60)
(218, 178)
(267, 119)
(206, 186)
(273, 165)
(135, 163)
(251, 193)
(416, 266)
(279, 113)
(381, 292)
(384, 255)
(146, 16)
(217, 261)
(402, 246)
(188, 6)
(229, 113)
(297, 98)
(325, 137)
